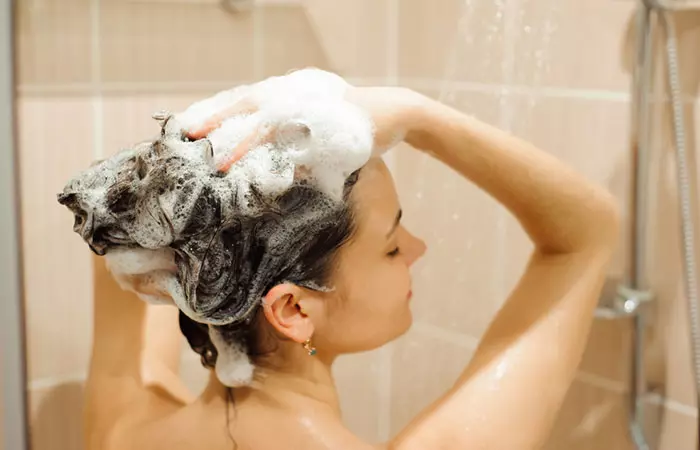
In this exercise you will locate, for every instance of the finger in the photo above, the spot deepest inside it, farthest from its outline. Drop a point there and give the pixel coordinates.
(245, 106)
(255, 139)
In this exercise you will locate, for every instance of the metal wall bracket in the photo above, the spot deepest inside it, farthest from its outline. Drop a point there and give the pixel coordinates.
(626, 303)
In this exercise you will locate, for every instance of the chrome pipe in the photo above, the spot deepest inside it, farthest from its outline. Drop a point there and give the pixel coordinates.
(642, 82)
(13, 397)
(641, 85)
(634, 295)
(686, 178)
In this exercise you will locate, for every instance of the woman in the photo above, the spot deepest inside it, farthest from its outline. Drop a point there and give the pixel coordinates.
(506, 398)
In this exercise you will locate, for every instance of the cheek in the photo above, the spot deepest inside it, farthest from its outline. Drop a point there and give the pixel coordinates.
(385, 290)
(370, 308)
(375, 295)
(398, 281)
(391, 308)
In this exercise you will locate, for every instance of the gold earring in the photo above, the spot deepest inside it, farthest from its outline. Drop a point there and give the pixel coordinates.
(309, 348)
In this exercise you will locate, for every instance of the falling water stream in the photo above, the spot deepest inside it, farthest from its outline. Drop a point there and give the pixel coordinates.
(501, 51)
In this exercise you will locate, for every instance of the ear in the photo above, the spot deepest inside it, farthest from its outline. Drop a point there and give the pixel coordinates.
(282, 308)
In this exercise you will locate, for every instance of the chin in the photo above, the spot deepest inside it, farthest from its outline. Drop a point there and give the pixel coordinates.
(397, 329)
(403, 325)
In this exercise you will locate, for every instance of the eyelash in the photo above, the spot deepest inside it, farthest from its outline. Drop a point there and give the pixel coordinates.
(394, 252)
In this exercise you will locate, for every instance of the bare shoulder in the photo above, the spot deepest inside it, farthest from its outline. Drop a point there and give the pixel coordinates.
(150, 409)
(250, 427)
(310, 430)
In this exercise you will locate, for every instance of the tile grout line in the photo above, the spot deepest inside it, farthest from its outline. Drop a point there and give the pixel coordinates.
(582, 377)
(470, 342)
(449, 69)
(600, 382)
(49, 382)
(506, 119)
(153, 87)
(535, 91)
(384, 388)
(453, 337)
(414, 83)
(96, 80)
(391, 68)
(392, 42)
(673, 405)
(508, 68)
(258, 43)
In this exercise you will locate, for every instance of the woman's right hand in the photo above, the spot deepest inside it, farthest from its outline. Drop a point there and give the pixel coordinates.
(393, 111)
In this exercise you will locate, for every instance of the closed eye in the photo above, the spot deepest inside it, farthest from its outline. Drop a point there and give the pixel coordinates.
(395, 225)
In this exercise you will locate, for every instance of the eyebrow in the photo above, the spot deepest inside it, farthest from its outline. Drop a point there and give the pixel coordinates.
(396, 223)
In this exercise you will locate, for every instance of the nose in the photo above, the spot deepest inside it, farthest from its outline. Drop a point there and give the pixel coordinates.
(415, 248)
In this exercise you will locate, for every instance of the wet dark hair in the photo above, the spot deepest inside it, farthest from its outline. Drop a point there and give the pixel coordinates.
(231, 245)
(305, 257)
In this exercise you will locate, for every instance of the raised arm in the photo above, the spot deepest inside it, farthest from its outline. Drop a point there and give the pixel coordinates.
(135, 356)
(508, 396)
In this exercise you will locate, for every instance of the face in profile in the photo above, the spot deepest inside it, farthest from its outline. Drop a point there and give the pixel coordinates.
(371, 303)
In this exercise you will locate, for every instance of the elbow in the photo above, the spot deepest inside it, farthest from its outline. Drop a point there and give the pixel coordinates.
(605, 224)
(611, 220)
(595, 228)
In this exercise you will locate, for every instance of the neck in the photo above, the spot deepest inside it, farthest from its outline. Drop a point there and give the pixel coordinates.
(300, 383)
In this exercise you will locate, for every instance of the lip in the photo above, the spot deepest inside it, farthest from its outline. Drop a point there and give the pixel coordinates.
(410, 295)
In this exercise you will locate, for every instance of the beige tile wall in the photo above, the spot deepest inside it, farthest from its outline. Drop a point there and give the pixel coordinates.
(556, 73)
(553, 71)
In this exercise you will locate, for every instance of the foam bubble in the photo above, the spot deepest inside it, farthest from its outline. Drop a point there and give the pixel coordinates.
(233, 366)
(312, 125)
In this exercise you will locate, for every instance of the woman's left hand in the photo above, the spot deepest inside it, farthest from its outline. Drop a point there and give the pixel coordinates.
(392, 111)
